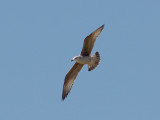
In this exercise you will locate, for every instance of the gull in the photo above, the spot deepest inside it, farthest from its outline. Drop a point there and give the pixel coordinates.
(82, 59)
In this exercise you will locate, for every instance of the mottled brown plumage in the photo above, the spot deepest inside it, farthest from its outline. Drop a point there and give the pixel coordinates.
(89, 41)
(85, 55)
(70, 77)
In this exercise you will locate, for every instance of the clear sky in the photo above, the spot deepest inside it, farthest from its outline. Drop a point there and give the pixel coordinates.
(38, 39)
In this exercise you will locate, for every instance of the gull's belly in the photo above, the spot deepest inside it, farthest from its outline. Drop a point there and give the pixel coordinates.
(85, 60)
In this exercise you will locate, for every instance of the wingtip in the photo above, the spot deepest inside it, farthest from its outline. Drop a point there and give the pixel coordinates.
(64, 95)
(102, 26)
(63, 98)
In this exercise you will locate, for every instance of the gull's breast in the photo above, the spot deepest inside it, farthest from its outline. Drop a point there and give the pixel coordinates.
(85, 60)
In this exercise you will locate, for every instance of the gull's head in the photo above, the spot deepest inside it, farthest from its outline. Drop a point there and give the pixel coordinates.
(76, 58)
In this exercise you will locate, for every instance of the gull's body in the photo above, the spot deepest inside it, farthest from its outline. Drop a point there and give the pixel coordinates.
(84, 58)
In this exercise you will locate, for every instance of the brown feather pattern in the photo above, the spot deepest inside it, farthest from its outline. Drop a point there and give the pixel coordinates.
(69, 79)
(89, 42)
(86, 51)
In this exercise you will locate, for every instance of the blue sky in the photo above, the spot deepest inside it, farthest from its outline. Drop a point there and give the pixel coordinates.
(38, 39)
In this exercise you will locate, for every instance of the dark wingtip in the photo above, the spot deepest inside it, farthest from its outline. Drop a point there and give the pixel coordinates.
(102, 26)
(64, 96)
(89, 69)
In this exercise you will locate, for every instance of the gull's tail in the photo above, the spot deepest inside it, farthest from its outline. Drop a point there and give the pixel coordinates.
(96, 60)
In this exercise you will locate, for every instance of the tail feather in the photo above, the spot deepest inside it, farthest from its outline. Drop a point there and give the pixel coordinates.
(96, 58)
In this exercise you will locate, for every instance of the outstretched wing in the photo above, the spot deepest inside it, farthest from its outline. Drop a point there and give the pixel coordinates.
(69, 79)
(89, 42)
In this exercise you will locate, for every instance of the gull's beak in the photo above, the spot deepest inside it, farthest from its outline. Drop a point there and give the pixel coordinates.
(72, 60)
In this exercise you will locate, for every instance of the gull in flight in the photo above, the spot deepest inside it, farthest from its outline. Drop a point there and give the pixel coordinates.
(82, 59)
